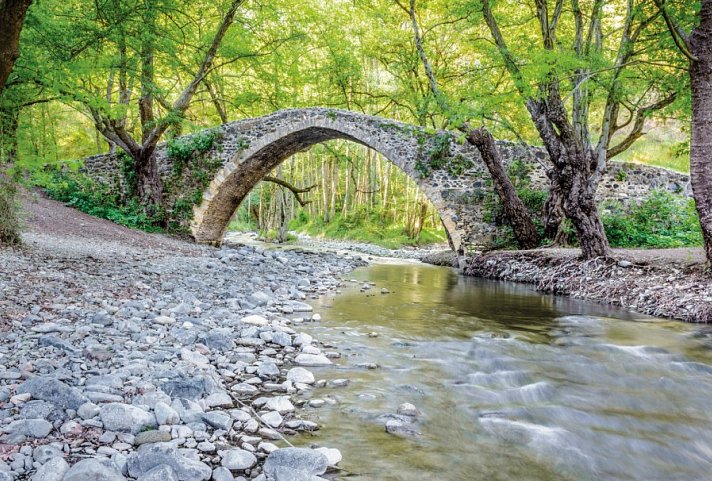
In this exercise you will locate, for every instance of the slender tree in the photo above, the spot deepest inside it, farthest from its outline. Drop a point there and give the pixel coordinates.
(697, 49)
(563, 121)
(519, 218)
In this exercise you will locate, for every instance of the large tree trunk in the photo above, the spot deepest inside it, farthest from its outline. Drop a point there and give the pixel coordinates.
(515, 210)
(701, 138)
(554, 215)
(12, 16)
(574, 182)
(148, 181)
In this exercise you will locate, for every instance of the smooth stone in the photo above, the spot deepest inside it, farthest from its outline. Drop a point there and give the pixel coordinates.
(94, 470)
(312, 360)
(400, 428)
(222, 474)
(44, 453)
(281, 339)
(219, 399)
(54, 391)
(34, 428)
(295, 464)
(408, 409)
(332, 455)
(126, 418)
(159, 473)
(237, 459)
(268, 369)
(300, 375)
(53, 470)
(281, 404)
(148, 456)
(272, 418)
(302, 339)
(88, 411)
(146, 437)
(218, 420)
(165, 415)
(255, 320)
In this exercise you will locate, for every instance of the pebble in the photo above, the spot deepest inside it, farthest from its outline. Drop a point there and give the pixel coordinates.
(140, 372)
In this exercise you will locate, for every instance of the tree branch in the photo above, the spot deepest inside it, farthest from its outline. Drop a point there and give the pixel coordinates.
(678, 36)
(295, 190)
(637, 130)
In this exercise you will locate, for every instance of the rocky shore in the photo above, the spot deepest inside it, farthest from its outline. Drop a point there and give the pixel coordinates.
(159, 360)
(668, 283)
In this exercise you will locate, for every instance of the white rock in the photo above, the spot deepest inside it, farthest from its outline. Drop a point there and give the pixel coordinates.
(312, 360)
(238, 459)
(281, 404)
(164, 320)
(255, 320)
(272, 418)
(166, 414)
(332, 455)
(302, 339)
(300, 375)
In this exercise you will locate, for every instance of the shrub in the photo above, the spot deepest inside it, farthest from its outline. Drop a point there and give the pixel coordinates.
(662, 220)
(10, 225)
(79, 191)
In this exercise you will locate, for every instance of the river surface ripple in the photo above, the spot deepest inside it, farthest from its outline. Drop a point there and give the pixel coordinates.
(512, 384)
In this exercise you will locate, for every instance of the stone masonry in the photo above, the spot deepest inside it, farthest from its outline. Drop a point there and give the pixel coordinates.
(456, 179)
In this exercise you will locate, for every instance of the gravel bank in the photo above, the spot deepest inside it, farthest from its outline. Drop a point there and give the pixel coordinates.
(662, 283)
(133, 356)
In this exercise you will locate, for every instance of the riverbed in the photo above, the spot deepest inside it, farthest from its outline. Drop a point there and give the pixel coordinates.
(510, 384)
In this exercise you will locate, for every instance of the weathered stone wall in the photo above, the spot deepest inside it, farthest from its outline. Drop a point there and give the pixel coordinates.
(249, 149)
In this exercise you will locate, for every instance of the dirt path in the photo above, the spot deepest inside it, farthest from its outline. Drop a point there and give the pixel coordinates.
(48, 218)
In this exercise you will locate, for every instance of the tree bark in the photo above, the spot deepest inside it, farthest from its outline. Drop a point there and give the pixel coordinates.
(515, 210)
(12, 17)
(700, 43)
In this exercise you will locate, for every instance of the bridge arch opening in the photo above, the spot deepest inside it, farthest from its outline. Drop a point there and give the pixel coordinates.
(340, 190)
(249, 166)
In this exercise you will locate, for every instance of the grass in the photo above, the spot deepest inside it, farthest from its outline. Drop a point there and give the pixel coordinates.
(355, 227)
(663, 146)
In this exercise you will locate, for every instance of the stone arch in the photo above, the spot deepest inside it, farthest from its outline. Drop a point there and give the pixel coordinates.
(277, 137)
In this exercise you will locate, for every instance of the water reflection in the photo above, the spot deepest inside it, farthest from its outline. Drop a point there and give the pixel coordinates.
(513, 385)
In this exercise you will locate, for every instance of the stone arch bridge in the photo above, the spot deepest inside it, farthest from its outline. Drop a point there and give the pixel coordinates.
(449, 171)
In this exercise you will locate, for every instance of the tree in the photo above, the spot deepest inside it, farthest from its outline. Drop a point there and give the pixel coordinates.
(124, 63)
(12, 16)
(563, 121)
(697, 49)
(150, 189)
(519, 218)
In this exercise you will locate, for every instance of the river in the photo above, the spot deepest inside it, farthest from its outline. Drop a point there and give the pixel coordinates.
(511, 384)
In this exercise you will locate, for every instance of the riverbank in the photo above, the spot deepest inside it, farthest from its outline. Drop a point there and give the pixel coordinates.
(322, 244)
(668, 283)
(128, 355)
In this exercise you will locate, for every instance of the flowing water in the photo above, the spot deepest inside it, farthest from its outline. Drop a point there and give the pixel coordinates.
(512, 384)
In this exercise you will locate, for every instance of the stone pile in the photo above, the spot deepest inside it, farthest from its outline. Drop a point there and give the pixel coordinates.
(159, 366)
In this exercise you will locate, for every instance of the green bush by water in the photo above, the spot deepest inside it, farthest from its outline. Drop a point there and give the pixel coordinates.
(663, 220)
